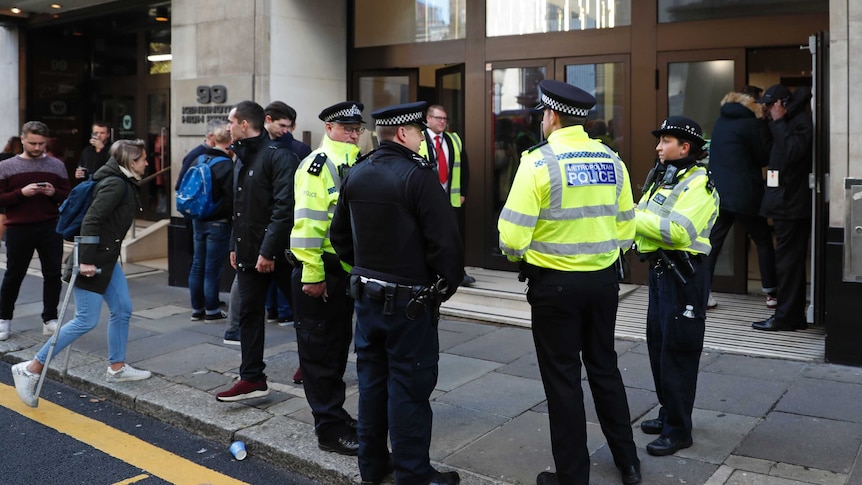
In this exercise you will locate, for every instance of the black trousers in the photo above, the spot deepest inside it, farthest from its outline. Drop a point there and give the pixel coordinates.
(21, 241)
(675, 341)
(573, 315)
(791, 250)
(324, 330)
(758, 230)
(253, 287)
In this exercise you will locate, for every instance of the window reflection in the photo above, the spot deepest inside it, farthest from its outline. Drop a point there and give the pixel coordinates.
(403, 22)
(695, 89)
(688, 10)
(605, 81)
(519, 17)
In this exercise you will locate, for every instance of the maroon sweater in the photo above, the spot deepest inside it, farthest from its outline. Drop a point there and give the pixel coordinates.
(16, 173)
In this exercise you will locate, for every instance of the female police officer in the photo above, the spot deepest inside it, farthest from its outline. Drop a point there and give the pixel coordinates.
(674, 218)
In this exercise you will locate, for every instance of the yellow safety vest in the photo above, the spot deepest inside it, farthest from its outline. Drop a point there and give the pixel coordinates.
(455, 173)
(678, 217)
(570, 207)
(317, 185)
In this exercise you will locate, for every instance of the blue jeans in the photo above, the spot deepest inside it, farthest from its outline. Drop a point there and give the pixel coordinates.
(87, 307)
(210, 253)
(277, 303)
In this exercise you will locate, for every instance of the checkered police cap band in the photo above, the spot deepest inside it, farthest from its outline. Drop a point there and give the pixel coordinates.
(402, 119)
(686, 128)
(344, 113)
(564, 108)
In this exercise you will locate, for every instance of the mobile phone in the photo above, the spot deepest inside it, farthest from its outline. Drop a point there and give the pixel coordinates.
(41, 184)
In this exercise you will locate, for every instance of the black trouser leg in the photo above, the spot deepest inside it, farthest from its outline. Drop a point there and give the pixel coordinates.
(20, 244)
(252, 316)
(790, 259)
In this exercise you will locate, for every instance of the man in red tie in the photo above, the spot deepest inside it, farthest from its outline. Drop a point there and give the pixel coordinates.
(448, 150)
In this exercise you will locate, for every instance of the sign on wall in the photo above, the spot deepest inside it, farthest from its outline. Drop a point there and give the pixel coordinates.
(197, 101)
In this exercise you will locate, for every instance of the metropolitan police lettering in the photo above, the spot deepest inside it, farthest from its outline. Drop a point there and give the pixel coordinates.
(595, 173)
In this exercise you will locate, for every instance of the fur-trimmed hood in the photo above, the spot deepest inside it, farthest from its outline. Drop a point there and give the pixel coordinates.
(744, 100)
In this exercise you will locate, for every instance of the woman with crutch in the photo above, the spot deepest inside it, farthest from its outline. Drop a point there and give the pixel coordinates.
(111, 213)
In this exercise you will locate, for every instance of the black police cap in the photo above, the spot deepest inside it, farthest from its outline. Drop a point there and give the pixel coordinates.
(774, 93)
(401, 114)
(565, 98)
(346, 112)
(682, 128)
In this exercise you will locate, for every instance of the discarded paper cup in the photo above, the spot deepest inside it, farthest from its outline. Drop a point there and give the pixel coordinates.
(237, 449)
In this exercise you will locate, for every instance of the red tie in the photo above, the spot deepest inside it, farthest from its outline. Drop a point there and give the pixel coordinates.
(442, 167)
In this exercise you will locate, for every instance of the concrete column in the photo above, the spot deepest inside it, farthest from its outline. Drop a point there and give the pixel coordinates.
(10, 104)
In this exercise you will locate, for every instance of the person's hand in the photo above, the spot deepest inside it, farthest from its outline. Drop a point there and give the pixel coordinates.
(233, 259)
(30, 190)
(47, 188)
(80, 173)
(264, 265)
(97, 144)
(463, 199)
(316, 290)
(87, 270)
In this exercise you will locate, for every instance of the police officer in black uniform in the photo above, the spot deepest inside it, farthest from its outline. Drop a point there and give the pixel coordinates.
(393, 223)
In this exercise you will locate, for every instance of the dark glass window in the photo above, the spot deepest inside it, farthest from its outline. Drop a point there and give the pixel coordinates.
(688, 10)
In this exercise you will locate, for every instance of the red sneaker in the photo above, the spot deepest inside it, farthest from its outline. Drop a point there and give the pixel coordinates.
(244, 390)
(297, 376)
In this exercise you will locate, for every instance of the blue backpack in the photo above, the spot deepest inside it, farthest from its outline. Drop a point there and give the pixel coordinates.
(195, 196)
(74, 208)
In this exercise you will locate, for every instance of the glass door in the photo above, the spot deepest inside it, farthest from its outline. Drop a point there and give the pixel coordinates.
(450, 94)
(381, 88)
(693, 84)
(513, 126)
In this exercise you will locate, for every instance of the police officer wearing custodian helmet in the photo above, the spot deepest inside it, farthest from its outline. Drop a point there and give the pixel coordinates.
(393, 224)
(568, 215)
(674, 219)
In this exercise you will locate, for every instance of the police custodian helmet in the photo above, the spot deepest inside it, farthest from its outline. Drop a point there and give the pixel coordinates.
(565, 98)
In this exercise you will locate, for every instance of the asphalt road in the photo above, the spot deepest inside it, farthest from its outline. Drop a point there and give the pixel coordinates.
(76, 438)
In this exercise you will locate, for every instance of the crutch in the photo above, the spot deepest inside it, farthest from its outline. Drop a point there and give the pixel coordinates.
(75, 268)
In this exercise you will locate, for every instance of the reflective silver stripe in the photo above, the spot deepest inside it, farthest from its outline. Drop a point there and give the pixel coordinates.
(626, 244)
(333, 172)
(455, 190)
(518, 218)
(314, 215)
(680, 188)
(618, 168)
(511, 251)
(700, 247)
(626, 215)
(578, 212)
(555, 177)
(686, 224)
(306, 242)
(664, 230)
(571, 249)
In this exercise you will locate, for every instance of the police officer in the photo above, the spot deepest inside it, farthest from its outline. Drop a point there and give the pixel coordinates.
(674, 219)
(394, 225)
(567, 217)
(324, 310)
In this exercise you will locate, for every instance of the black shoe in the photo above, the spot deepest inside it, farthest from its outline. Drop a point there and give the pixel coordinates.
(468, 280)
(652, 426)
(197, 316)
(445, 478)
(221, 315)
(343, 445)
(271, 317)
(630, 474)
(547, 478)
(663, 446)
(389, 471)
(772, 325)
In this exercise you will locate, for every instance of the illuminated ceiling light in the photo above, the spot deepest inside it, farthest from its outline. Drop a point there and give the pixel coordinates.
(162, 14)
(56, 5)
(15, 10)
(159, 57)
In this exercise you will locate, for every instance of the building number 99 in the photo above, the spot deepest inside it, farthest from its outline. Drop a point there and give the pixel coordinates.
(212, 94)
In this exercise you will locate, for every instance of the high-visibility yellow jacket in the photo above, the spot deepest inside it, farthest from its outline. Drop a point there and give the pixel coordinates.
(317, 184)
(455, 166)
(570, 207)
(677, 216)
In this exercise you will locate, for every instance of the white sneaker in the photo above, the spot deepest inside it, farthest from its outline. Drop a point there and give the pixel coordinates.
(127, 373)
(5, 326)
(711, 303)
(25, 383)
(49, 327)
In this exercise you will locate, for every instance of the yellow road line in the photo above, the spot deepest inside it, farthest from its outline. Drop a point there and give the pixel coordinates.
(132, 480)
(123, 446)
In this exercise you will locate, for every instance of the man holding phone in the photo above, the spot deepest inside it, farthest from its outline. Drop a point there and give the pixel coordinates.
(96, 153)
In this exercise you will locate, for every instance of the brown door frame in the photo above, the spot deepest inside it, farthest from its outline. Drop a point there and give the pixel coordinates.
(738, 281)
(492, 257)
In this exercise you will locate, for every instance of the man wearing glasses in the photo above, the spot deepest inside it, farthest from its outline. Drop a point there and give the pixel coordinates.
(447, 149)
(323, 310)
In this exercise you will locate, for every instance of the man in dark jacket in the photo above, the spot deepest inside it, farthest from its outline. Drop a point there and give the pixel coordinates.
(737, 154)
(788, 201)
(263, 219)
